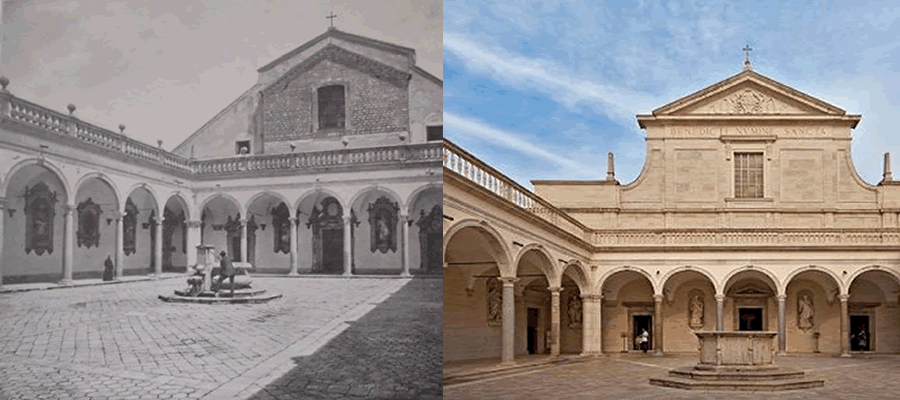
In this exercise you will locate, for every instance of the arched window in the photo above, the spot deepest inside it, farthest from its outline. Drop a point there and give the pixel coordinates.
(331, 107)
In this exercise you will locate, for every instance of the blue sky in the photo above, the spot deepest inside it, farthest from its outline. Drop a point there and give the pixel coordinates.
(543, 90)
(165, 67)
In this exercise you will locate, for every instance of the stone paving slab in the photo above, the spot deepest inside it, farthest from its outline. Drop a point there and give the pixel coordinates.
(120, 342)
(621, 377)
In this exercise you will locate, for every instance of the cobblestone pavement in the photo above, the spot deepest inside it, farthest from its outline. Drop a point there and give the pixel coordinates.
(627, 377)
(393, 352)
(121, 342)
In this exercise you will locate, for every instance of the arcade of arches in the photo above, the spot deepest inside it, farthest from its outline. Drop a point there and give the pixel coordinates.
(748, 215)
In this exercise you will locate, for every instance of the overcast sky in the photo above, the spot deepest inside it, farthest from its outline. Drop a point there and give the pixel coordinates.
(543, 90)
(164, 68)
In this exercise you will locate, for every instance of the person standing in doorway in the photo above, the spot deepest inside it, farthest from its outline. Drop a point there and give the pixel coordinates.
(645, 340)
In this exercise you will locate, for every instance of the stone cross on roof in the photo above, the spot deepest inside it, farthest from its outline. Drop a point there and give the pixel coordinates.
(747, 51)
(331, 17)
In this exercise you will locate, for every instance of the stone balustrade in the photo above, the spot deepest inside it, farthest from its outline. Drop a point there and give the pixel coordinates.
(747, 237)
(28, 113)
(460, 162)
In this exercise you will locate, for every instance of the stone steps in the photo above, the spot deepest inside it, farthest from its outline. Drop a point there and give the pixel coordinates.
(738, 385)
(752, 376)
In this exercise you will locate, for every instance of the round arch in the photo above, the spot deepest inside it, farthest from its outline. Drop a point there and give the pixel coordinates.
(598, 287)
(317, 192)
(184, 203)
(226, 196)
(581, 278)
(503, 262)
(246, 209)
(702, 271)
(779, 290)
(414, 196)
(551, 275)
(374, 188)
(868, 268)
(43, 163)
(805, 268)
(102, 177)
(149, 189)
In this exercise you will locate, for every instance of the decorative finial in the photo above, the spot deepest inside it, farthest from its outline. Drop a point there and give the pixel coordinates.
(122, 128)
(747, 50)
(71, 108)
(887, 167)
(159, 143)
(4, 81)
(331, 18)
(610, 168)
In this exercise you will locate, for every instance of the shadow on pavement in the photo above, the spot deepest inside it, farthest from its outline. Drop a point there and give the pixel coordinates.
(393, 352)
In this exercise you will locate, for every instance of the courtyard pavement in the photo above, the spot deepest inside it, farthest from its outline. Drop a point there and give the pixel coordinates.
(627, 377)
(121, 342)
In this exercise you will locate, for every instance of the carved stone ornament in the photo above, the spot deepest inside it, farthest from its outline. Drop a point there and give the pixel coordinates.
(88, 223)
(494, 301)
(40, 211)
(574, 311)
(749, 102)
(805, 310)
(383, 225)
(696, 308)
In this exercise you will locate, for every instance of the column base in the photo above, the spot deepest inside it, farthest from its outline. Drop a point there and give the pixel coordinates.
(845, 355)
(347, 274)
(65, 282)
(405, 275)
(781, 353)
(293, 273)
(658, 353)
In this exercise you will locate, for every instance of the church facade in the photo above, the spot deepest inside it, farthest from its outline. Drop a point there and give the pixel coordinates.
(329, 164)
(748, 215)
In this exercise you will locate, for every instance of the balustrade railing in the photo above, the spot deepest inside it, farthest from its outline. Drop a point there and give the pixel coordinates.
(32, 114)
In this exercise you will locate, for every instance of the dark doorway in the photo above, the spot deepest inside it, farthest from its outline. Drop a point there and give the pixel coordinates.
(751, 319)
(333, 251)
(640, 324)
(860, 338)
(533, 314)
(327, 224)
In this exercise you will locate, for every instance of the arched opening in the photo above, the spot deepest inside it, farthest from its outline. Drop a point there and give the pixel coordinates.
(750, 301)
(96, 209)
(473, 294)
(873, 312)
(533, 308)
(571, 312)
(376, 233)
(627, 311)
(689, 305)
(220, 227)
(34, 226)
(174, 236)
(321, 216)
(425, 233)
(268, 234)
(139, 225)
(812, 313)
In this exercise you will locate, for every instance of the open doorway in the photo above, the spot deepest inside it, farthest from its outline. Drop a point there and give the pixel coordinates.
(641, 323)
(533, 314)
(860, 336)
(751, 319)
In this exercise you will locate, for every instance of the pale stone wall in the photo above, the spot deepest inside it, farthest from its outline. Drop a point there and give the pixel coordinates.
(467, 335)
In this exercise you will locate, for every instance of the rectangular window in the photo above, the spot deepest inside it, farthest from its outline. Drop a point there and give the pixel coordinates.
(435, 132)
(748, 175)
(242, 147)
(331, 107)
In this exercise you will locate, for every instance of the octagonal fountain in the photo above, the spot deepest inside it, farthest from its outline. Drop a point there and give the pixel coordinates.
(737, 361)
(200, 284)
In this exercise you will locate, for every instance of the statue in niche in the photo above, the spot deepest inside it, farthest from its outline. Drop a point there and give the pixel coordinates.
(129, 226)
(805, 311)
(88, 223)
(575, 311)
(430, 239)
(39, 215)
(282, 224)
(383, 222)
(696, 309)
(495, 300)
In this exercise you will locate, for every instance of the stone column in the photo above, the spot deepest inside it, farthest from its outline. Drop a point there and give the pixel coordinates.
(554, 320)
(3, 206)
(782, 339)
(244, 253)
(193, 241)
(658, 325)
(348, 246)
(845, 326)
(591, 325)
(720, 312)
(157, 269)
(68, 245)
(404, 254)
(294, 254)
(120, 247)
(508, 330)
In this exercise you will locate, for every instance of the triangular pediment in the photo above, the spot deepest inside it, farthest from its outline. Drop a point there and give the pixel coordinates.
(748, 93)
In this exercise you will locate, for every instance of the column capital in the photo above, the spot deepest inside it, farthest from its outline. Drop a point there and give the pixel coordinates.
(293, 220)
(69, 208)
(844, 297)
(508, 280)
(555, 290)
(243, 221)
(720, 297)
(194, 223)
(658, 298)
(592, 297)
(782, 297)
